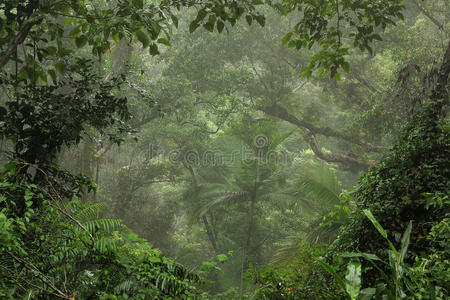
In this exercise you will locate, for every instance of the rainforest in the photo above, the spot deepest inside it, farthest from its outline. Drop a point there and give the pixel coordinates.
(224, 149)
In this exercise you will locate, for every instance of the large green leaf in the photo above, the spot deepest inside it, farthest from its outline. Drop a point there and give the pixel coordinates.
(380, 229)
(61, 67)
(332, 272)
(353, 279)
(193, 26)
(375, 223)
(81, 41)
(405, 242)
(367, 293)
(143, 38)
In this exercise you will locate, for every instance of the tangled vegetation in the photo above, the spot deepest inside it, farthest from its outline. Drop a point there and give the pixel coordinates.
(227, 149)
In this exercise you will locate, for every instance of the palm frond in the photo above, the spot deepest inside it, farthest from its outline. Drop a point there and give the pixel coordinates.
(278, 139)
(288, 250)
(215, 198)
(320, 185)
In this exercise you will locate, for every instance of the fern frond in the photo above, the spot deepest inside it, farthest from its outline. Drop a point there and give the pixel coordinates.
(105, 245)
(126, 286)
(91, 211)
(103, 225)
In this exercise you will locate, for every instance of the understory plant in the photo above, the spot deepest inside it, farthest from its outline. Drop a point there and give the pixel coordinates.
(300, 279)
(400, 281)
(63, 249)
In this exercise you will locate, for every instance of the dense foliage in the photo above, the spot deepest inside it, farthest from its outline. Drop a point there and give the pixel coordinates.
(194, 150)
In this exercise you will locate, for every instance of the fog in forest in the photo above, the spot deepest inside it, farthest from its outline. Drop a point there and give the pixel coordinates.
(224, 149)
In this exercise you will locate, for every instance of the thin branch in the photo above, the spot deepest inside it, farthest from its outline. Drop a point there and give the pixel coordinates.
(44, 278)
(56, 202)
(365, 82)
(17, 277)
(430, 16)
(19, 39)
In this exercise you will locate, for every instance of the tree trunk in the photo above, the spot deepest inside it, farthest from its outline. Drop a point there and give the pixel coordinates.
(211, 233)
(250, 230)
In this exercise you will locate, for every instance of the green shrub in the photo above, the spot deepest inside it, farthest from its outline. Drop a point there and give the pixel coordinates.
(302, 279)
(410, 183)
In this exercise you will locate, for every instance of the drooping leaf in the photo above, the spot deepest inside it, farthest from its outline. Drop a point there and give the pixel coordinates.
(143, 38)
(61, 67)
(116, 37)
(209, 26)
(249, 19)
(174, 20)
(286, 38)
(380, 229)
(220, 26)
(81, 41)
(375, 223)
(153, 50)
(261, 19)
(193, 26)
(164, 41)
(405, 242)
(333, 273)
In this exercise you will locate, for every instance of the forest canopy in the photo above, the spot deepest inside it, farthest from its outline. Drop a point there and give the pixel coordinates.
(256, 149)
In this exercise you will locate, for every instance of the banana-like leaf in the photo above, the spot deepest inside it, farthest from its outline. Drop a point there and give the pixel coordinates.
(380, 229)
(353, 279)
(332, 272)
(367, 293)
(405, 242)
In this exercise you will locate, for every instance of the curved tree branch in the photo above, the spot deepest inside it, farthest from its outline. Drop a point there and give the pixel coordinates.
(278, 111)
(335, 158)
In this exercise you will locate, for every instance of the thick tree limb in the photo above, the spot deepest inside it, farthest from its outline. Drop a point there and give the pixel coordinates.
(278, 111)
(441, 90)
(335, 158)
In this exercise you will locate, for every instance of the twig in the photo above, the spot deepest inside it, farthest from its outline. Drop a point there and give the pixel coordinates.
(44, 278)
